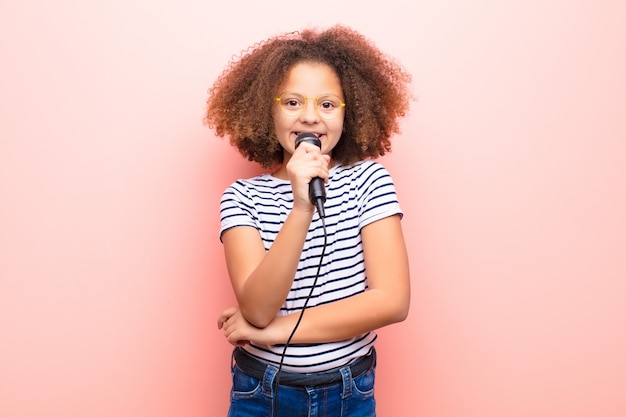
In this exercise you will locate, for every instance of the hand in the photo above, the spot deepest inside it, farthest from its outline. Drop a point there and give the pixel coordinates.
(233, 323)
(239, 332)
(306, 163)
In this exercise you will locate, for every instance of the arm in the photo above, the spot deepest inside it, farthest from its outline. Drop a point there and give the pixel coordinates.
(262, 279)
(386, 301)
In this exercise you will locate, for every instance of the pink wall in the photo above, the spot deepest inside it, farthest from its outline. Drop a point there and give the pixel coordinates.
(510, 169)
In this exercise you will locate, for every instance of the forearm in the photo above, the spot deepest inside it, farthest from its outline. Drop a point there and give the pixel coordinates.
(266, 288)
(385, 302)
(343, 319)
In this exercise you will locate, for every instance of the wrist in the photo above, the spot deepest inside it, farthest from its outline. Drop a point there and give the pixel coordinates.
(304, 211)
(281, 330)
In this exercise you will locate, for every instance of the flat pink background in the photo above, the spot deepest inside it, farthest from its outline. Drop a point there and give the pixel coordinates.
(511, 169)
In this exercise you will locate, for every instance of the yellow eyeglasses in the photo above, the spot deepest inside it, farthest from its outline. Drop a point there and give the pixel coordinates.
(328, 106)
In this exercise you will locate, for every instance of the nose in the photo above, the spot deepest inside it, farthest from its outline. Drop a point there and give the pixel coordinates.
(309, 112)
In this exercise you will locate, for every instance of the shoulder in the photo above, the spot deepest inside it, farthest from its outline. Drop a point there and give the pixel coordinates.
(253, 182)
(373, 188)
(361, 167)
(366, 171)
(259, 185)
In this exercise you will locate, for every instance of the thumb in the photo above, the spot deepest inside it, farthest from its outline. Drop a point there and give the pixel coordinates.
(225, 315)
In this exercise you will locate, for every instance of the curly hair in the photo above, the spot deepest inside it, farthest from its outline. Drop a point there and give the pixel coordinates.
(375, 87)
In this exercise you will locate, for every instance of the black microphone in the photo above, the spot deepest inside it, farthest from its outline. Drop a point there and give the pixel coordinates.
(317, 192)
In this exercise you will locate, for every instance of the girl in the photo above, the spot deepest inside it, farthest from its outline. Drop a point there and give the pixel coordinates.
(312, 287)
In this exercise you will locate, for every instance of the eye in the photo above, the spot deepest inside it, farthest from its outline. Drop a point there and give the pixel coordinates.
(291, 101)
(328, 103)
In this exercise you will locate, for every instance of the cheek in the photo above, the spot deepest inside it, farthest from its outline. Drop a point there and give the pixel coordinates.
(279, 122)
(338, 127)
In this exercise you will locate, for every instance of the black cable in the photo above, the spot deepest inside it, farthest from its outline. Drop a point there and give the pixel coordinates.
(306, 302)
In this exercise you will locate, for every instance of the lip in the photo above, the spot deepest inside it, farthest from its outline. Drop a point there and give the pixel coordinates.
(319, 135)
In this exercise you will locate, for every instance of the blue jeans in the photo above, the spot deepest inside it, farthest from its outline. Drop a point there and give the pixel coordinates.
(351, 397)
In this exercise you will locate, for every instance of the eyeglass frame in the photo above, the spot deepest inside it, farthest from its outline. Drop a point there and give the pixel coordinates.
(305, 98)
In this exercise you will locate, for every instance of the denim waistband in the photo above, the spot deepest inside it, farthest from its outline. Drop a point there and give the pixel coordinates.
(256, 369)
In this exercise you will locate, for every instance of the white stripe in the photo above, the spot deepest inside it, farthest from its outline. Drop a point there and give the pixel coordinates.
(357, 195)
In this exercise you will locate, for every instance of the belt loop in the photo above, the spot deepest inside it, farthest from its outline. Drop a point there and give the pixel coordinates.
(267, 386)
(346, 378)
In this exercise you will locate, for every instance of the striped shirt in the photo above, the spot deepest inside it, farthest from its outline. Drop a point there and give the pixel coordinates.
(356, 196)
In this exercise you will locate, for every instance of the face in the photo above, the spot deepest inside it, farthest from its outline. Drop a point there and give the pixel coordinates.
(309, 80)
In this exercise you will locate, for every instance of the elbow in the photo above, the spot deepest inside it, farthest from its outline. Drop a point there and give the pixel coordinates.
(260, 324)
(399, 315)
(389, 316)
(257, 318)
(400, 312)
(394, 307)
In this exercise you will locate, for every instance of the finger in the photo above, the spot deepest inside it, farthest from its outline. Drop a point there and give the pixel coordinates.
(233, 338)
(221, 320)
(309, 147)
(225, 315)
(229, 311)
(228, 331)
(308, 151)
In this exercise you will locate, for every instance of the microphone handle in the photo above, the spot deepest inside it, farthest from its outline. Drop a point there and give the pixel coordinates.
(317, 195)
(317, 192)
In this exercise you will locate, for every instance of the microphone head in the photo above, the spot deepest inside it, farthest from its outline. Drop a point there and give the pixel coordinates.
(308, 137)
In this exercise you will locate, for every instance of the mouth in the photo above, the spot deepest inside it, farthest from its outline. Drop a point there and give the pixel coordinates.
(319, 135)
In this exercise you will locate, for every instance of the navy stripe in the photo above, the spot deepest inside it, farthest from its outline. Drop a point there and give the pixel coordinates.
(356, 195)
